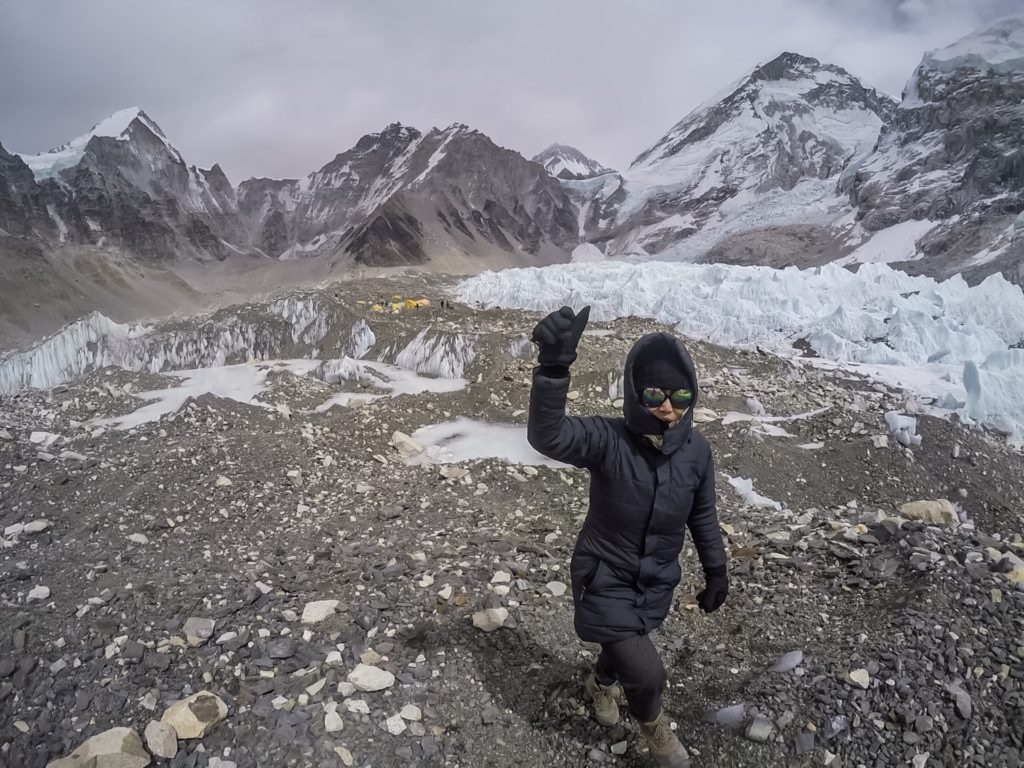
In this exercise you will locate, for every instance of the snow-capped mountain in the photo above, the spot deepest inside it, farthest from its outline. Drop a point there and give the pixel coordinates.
(797, 162)
(768, 151)
(951, 161)
(123, 184)
(449, 196)
(569, 163)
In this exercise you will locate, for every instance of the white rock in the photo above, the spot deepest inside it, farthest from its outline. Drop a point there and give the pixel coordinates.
(73, 456)
(161, 739)
(920, 760)
(755, 407)
(216, 762)
(411, 712)
(38, 593)
(115, 748)
(43, 439)
(357, 706)
(332, 720)
(198, 630)
(406, 446)
(194, 717)
(138, 538)
(318, 610)
(490, 619)
(937, 511)
(367, 678)
(445, 593)
(37, 526)
(396, 725)
(223, 482)
(860, 678)
(704, 416)
(556, 588)
(501, 577)
(226, 637)
(344, 755)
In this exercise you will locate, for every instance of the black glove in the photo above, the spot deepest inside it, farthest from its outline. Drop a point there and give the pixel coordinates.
(558, 335)
(716, 589)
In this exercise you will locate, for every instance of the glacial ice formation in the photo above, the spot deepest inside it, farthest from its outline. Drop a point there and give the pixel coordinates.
(877, 320)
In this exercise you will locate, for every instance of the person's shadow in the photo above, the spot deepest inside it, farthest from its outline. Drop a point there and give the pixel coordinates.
(546, 691)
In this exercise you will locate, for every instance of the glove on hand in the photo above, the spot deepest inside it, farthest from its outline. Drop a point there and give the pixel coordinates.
(716, 589)
(558, 335)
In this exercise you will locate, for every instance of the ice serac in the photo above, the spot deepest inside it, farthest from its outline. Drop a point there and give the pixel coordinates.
(768, 155)
(955, 343)
(951, 154)
(293, 326)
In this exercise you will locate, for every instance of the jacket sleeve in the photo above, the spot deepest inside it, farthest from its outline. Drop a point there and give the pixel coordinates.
(579, 441)
(703, 522)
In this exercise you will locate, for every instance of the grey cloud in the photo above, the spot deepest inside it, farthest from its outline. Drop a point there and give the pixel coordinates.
(273, 89)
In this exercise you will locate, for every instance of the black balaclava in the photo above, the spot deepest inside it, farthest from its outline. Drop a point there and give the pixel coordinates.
(654, 368)
(658, 360)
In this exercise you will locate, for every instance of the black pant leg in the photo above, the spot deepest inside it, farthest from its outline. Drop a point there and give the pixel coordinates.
(635, 663)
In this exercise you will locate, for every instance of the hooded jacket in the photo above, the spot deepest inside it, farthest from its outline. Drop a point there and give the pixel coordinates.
(625, 565)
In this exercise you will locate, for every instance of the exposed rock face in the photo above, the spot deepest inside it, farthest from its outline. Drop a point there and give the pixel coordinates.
(123, 184)
(401, 197)
(952, 153)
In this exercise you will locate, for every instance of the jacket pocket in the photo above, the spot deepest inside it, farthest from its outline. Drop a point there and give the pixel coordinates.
(594, 580)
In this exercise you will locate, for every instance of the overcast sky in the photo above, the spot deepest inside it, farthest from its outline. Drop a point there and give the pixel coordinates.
(275, 88)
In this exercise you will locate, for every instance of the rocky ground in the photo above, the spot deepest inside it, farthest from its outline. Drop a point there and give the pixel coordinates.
(142, 567)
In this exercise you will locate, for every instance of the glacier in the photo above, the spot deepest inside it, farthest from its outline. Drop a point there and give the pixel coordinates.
(955, 343)
(257, 332)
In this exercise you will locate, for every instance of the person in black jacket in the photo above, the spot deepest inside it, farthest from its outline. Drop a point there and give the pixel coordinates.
(652, 476)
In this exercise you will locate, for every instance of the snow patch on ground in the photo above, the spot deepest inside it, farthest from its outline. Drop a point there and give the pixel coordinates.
(467, 439)
(744, 488)
(235, 382)
(895, 243)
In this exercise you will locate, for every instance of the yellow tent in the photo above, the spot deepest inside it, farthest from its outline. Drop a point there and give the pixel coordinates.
(422, 302)
(377, 308)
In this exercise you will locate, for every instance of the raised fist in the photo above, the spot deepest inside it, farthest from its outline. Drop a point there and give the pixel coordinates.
(558, 335)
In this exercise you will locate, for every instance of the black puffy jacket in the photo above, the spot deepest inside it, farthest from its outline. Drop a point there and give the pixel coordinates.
(626, 562)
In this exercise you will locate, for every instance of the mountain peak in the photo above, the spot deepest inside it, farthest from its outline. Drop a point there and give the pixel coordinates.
(50, 163)
(565, 162)
(998, 47)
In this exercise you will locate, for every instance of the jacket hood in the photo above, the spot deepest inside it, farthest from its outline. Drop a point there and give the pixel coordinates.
(638, 419)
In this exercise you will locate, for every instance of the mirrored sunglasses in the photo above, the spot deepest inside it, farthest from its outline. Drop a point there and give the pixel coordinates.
(652, 397)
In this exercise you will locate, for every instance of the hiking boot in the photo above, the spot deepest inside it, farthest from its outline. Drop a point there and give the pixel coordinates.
(665, 747)
(605, 698)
